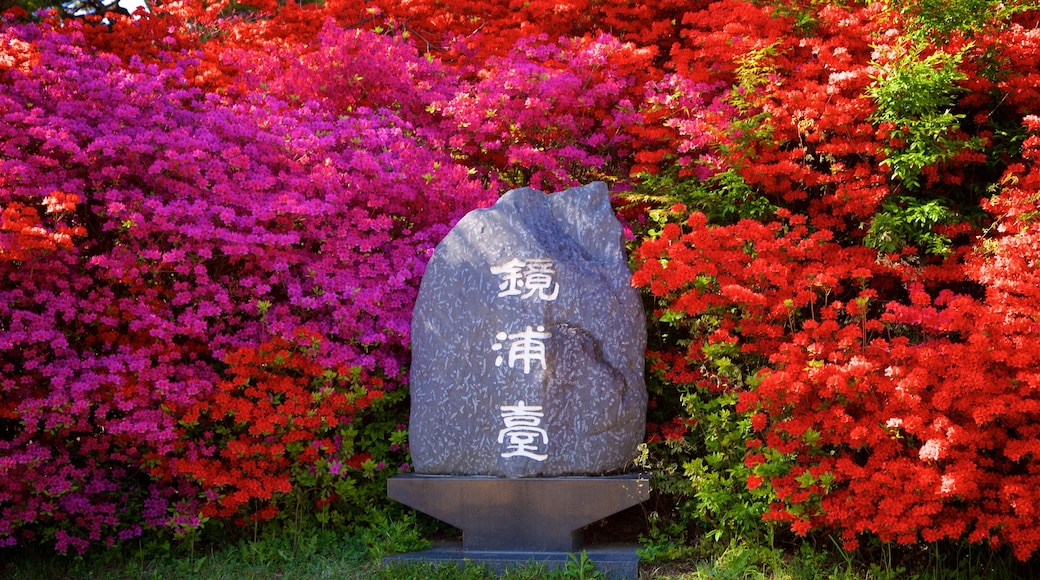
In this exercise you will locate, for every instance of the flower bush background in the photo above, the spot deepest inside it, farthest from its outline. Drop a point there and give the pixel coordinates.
(214, 219)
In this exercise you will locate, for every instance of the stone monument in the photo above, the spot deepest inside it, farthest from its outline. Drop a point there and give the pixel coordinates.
(528, 396)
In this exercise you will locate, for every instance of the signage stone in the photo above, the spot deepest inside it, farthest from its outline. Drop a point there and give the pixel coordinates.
(528, 342)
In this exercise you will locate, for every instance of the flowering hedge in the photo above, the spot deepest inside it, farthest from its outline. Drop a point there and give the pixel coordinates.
(156, 240)
(214, 218)
(872, 322)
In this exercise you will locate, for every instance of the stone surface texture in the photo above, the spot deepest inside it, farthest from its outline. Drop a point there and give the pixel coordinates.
(529, 304)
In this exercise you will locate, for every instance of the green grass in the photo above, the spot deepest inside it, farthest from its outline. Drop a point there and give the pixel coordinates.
(325, 554)
(321, 555)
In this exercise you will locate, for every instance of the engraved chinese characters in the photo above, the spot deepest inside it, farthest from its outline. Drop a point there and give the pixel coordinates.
(522, 432)
(528, 342)
(523, 279)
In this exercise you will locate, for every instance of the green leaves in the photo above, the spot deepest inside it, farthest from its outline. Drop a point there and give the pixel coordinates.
(725, 197)
(905, 221)
(719, 476)
(915, 94)
(916, 98)
(941, 17)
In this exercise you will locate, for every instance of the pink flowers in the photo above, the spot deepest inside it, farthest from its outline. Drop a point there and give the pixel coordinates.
(149, 228)
(498, 120)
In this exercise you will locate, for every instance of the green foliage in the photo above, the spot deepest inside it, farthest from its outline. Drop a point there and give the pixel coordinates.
(915, 95)
(944, 16)
(909, 221)
(327, 554)
(725, 197)
(467, 571)
(936, 19)
(394, 536)
(379, 432)
(579, 567)
(739, 561)
(822, 559)
(440, 571)
(705, 470)
(667, 540)
(916, 111)
(802, 13)
(697, 439)
(718, 476)
(337, 488)
(314, 554)
(756, 74)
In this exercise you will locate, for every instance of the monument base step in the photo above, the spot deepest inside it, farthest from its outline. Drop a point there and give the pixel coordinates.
(520, 514)
(614, 562)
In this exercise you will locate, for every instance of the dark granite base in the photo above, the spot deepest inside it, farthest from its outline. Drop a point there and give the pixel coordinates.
(614, 562)
(522, 515)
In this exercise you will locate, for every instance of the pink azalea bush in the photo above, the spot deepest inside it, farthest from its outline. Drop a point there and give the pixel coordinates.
(151, 229)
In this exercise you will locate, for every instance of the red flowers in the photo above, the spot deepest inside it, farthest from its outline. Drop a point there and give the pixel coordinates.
(276, 417)
(896, 371)
(212, 230)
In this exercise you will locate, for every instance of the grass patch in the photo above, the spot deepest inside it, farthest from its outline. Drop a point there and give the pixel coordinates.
(314, 554)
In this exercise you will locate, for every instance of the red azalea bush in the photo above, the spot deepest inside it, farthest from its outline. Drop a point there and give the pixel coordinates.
(882, 366)
(283, 432)
(214, 219)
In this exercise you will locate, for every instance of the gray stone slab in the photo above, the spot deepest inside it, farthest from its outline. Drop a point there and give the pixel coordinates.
(614, 562)
(520, 514)
(528, 343)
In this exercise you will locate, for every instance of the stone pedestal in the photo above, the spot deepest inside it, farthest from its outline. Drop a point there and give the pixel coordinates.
(513, 521)
(527, 382)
